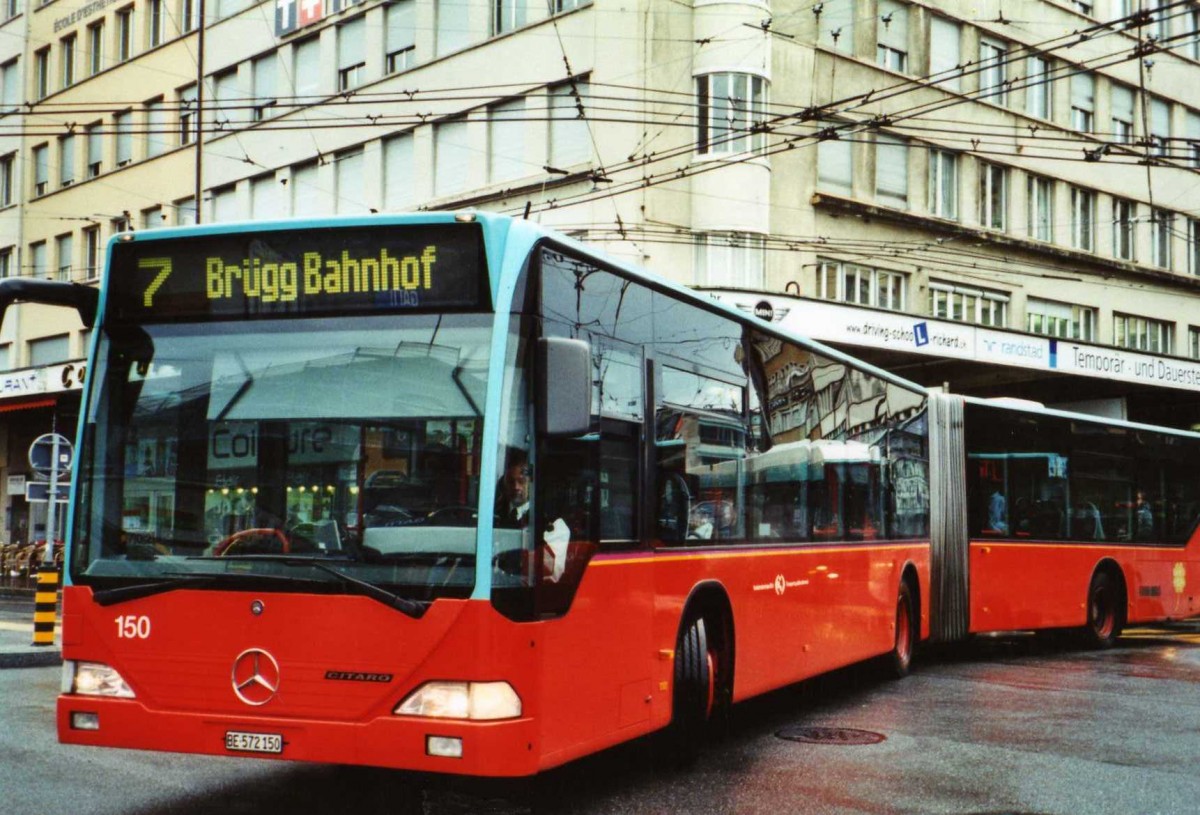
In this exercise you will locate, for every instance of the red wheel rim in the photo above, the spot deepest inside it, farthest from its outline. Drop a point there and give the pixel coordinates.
(1103, 614)
(711, 700)
(903, 632)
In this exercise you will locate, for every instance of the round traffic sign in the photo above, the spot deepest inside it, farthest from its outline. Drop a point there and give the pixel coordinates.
(51, 454)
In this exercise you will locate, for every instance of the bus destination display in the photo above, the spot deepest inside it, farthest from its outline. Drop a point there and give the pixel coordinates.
(299, 272)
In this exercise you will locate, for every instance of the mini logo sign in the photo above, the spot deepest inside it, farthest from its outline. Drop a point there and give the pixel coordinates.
(255, 677)
(764, 310)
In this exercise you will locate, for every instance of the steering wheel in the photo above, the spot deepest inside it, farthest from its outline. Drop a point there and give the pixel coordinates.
(222, 548)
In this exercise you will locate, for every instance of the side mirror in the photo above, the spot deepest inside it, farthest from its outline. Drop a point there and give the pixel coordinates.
(564, 386)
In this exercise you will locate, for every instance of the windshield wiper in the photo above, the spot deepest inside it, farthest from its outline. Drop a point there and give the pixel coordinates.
(413, 608)
(181, 580)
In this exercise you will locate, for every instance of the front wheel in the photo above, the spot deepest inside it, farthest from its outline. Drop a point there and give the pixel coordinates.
(899, 660)
(1103, 612)
(693, 696)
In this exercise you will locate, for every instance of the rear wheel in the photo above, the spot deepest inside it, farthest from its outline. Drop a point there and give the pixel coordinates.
(1103, 611)
(899, 661)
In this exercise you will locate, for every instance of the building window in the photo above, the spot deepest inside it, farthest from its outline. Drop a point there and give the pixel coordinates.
(729, 106)
(152, 218)
(188, 16)
(91, 252)
(66, 161)
(266, 200)
(41, 75)
(1040, 205)
(401, 36)
(309, 199)
(862, 285)
(1083, 102)
(452, 25)
(156, 128)
(1193, 341)
(95, 34)
(10, 86)
(1083, 219)
(11, 9)
(1065, 320)
(1194, 246)
(993, 196)
(352, 60)
(968, 305)
(223, 202)
(1121, 97)
(1160, 126)
(95, 150)
(348, 183)
(37, 259)
(570, 136)
(187, 115)
(993, 76)
(226, 98)
(452, 157)
(123, 127)
(1162, 224)
(41, 170)
(1143, 333)
(945, 53)
(1082, 7)
(735, 260)
(398, 172)
(943, 184)
(124, 34)
(1124, 225)
(507, 15)
(506, 141)
(306, 70)
(6, 262)
(835, 165)
(892, 35)
(891, 171)
(157, 23)
(7, 166)
(185, 211)
(836, 25)
(1165, 10)
(64, 249)
(48, 350)
(264, 79)
(1192, 133)
(67, 54)
(1038, 94)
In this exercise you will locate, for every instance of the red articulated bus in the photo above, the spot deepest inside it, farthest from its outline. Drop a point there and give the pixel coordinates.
(453, 493)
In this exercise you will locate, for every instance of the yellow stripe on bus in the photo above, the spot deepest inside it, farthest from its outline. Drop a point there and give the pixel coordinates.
(816, 549)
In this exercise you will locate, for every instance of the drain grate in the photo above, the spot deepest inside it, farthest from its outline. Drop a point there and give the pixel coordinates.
(839, 736)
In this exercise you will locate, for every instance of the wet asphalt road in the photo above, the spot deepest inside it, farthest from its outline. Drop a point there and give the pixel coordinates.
(1006, 725)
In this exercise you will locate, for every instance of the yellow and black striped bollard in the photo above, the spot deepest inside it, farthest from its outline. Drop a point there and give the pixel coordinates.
(45, 609)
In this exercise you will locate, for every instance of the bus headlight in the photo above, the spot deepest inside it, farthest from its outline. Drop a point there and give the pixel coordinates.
(480, 701)
(94, 679)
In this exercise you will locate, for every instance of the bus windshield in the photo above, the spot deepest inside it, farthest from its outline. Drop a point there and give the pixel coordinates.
(219, 445)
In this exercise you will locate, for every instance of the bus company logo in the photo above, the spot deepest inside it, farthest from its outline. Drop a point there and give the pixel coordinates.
(780, 585)
(255, 677)
(357, 676)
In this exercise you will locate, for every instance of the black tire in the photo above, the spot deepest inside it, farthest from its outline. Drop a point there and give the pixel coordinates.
(899, 659)
(691, 696)
(1105, 607)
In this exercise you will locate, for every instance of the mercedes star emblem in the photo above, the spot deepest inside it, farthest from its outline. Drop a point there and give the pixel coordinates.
(255, 676)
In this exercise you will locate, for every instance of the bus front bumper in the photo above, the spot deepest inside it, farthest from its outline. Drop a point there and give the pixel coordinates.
(491, 749)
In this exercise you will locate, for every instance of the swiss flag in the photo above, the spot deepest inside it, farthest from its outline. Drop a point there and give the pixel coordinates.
(311, 11)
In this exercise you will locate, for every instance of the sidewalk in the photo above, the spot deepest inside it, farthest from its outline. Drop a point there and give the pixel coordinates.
(16, 650)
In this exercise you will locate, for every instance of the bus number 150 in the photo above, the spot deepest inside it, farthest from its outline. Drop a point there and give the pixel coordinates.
(131, 627)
